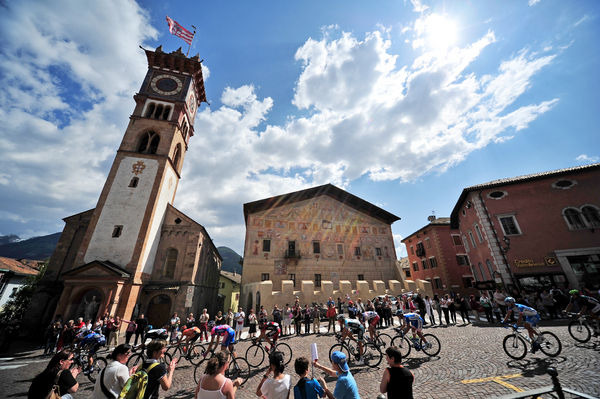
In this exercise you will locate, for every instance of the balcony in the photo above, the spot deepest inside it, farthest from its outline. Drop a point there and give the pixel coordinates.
(291, 254)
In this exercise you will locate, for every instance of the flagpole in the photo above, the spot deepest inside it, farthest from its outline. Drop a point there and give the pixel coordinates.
(194, 35)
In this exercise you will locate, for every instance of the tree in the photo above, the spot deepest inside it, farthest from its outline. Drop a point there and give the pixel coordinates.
(18, 303)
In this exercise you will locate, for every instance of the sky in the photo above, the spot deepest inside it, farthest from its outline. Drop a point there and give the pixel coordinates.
(401, 103)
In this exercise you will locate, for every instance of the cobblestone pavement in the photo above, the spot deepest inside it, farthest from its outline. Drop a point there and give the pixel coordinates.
(471, 364)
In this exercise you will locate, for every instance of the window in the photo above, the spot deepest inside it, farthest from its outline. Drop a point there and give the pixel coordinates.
(563, 184)
(428, 243)
(148, 143)
(134, 182)
(157, 111)
(424, 264)
(467, 282)
(266, 245)
(574, 219)
(361, 277)
(496, 194)
(509, 225)
(464, 239)
(340, 249)
(490, 268)
(316, 247)
(293, 278)
(433, 262)
(437, 283)
(317, 280)
(591, 216)
(456, 240)
(170, 263)
(472, 239)
(478, 232)
(462, 260)
(356, 251)
(415, 266)
(481, 271)
(117, 230)
(420, 249)
(407, 273)
(222, 285)
(412, 250)
(264, 277)
(177, 156)
(378, 252)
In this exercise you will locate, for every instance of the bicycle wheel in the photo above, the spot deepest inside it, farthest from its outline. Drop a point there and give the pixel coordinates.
(176, 352)
(515, 346)
(97, 365)
(135, 360)
(432, 347)
(384, 341)
(550, 344)
(238, 368)
(342, 348)
(372, 356)
(195, 356)
(403, 344)
(198, 371)
(286, 350)
(579, 331)
(255, 355)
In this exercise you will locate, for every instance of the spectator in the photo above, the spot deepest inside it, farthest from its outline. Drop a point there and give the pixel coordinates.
(204, 318)
(429, 309)
(277, 315)
(339, 305)
(486, 304)
(219, 320)
(229, 317)
(159, 375)
(140, 331)
(499, 299)
(444, 307)
(52, 335)
(360, 307)
(288, 315)
(213, 383)
(316, 318)
(397, 381)
(131, 327)
(190, 321)
(307, 319)
(438, 307)
(298, 318)
(174, 326)
(305, 388)
(345, 386)
(352, 310)
(57, 372)
(277, 387)
(252, 322)
(331, 317)
(113, 327)
(112, 379)
(549, 303)
(452, 309)
(239, 317)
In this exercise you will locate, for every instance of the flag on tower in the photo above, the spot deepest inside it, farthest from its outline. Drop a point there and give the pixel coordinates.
(180, 31)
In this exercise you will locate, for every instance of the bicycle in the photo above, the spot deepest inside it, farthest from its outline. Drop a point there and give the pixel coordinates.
(238, 368)
(581, 329)
(81, 359)
(137, 359)
(382, 340)
(189, 351)
(255, 354)
(371, 353)
(431, 348)
(515, 343)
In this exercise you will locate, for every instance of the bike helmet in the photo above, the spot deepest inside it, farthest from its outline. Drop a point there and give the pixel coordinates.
(341, 317)
(399, 312)
(211, 324)
(574, 292)
(509, 299)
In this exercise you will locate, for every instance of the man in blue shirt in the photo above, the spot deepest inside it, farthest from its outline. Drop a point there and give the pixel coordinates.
(346, 387)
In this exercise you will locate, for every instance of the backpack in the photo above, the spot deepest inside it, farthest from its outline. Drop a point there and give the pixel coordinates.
(135, 387)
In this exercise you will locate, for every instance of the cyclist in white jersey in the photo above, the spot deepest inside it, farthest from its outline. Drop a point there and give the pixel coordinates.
(371, 319)
(349, 328)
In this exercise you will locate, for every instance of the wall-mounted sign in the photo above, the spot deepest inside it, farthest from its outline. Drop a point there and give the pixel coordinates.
(551, 260)
(527, 263)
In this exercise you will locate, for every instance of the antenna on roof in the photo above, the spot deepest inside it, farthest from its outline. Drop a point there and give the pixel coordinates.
(431, 217)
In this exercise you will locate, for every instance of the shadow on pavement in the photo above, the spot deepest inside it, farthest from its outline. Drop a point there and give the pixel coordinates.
(536, 366)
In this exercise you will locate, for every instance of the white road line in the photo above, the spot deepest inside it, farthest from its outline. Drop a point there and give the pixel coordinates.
(12, 366)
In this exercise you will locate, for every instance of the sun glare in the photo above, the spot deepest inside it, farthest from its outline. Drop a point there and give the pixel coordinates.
(438, 32)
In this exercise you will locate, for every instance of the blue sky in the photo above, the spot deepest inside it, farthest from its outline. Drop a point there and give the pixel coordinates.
(402, 103)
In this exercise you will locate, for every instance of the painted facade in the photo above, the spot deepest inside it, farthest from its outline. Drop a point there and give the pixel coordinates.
(229, 291)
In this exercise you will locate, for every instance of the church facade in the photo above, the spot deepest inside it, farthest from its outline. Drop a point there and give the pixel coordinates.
(135, 252)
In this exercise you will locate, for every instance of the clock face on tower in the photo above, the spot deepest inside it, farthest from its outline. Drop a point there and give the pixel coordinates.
(166, 85)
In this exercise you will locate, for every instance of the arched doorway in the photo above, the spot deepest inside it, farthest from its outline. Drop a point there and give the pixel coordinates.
(159, 310)
(86, 304)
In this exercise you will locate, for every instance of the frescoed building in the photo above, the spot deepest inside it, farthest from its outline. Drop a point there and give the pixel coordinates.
(229, 291)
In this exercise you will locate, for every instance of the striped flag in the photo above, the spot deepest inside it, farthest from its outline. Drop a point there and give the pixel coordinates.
(180, 31)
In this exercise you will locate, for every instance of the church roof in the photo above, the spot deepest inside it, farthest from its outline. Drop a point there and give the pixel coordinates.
(326, 189)
(116, 269)
(235, 277)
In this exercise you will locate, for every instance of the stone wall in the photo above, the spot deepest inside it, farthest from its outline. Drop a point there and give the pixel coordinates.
(256, 294)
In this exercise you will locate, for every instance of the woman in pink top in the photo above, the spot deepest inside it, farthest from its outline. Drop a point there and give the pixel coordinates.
(213, 383)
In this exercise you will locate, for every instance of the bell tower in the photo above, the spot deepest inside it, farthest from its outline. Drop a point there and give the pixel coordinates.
(142, 182)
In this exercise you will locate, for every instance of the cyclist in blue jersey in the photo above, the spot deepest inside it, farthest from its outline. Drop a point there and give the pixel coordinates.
(350, 327)
(527, 317)
(92, 341)
(216, 333)
(414, 322)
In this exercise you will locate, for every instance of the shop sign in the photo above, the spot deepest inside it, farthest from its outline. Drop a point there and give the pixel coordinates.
(528, 263)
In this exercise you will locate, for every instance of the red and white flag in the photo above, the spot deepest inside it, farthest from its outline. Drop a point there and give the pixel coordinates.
(180, 31)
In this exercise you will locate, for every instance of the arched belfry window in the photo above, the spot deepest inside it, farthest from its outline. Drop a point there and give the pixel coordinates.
(166, 112)
(148, 143)
(150, 110)
(170, 263)
(177, 156)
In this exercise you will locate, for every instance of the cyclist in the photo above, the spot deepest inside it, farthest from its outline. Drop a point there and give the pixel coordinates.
(530, 316)
(269, 331)
(90, 341)
(414, 322)
(190, 335)
(350, 327)
(216, 332)
(586, 304)
(371, 318)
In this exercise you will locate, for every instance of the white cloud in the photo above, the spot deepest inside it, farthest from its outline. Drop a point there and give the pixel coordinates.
(418, 6)
(585, 159)
(533, 2)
